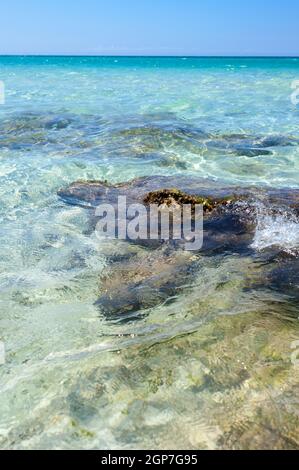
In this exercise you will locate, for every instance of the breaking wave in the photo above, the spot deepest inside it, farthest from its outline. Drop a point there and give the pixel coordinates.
(280, 229)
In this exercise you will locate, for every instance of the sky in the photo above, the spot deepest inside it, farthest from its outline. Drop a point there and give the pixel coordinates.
(150, 27)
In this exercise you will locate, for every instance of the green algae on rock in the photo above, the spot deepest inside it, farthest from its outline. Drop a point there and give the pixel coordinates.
(175, 196)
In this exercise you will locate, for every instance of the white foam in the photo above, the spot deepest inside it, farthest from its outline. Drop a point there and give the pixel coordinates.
(280, 230)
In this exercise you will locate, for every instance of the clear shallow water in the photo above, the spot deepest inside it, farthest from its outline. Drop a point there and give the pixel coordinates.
(213, 369)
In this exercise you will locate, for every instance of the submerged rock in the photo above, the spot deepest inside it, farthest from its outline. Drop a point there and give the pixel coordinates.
(140, 136)
(155, 276)
(91, 193)
(285, 277)
(252, 152)
(145, 281)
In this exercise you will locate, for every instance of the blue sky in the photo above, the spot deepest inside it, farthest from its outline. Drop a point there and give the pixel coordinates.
(150, 27)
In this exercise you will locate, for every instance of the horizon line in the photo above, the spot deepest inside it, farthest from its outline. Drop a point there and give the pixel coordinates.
(158, 56)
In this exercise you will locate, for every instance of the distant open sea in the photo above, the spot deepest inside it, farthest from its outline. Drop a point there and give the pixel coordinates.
(211, 369)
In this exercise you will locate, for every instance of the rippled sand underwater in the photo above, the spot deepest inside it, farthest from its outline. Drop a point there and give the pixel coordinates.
(212, 367)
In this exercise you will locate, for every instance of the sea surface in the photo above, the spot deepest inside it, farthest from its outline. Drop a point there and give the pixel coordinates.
(215, 368)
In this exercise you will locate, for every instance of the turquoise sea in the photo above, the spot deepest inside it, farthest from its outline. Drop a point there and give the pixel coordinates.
(214, 368)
